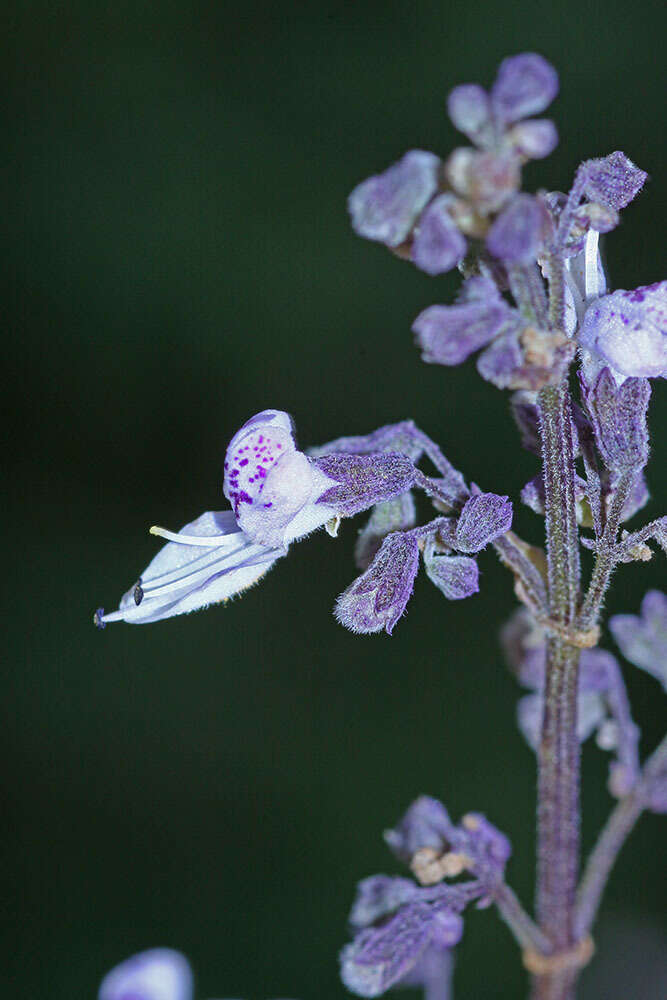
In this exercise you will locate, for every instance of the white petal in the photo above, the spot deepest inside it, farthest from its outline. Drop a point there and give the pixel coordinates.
(158, 974)
(183, 578)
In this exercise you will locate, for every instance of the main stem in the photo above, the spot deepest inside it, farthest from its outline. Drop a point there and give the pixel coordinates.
(558, 755)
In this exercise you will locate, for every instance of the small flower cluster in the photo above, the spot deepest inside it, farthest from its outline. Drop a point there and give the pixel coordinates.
(404, 931)
(468, 211)
(279, 494)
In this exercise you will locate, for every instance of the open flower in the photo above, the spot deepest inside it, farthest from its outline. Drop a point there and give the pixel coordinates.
(404, 931)
(628, 331)
(278, 495)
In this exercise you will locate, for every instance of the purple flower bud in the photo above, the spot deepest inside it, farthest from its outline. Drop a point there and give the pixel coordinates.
(398, 514)
(629, 330)
(360, 481)
(484, 518)
(469, 108)
(613, 180)
(158, 974)
(643, 638)
(447, 335)
(618, 418)
(385, 207)
(520, 230)
(534, 139)
(525, 85)
(426, 823)
(438, 245)
(381, 957)
(377, 599)
(456, 576)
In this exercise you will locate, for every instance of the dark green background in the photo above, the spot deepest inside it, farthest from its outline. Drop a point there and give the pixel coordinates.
(177, 256)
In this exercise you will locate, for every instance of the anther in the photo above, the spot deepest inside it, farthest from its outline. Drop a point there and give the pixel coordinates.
(138, 593)
(98, 619)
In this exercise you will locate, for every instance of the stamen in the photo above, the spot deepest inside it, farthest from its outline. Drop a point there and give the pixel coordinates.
(138, 593)
(98, 619)
(208, 541)
(591, 276)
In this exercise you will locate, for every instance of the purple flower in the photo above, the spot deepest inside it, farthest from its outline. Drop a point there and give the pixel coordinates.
(525, 85)
(386, 207)
(404, 932)
(378, 598)
(158, 974)
(278, 494)
(519, 232)
(448, 335)
(628, 330)
(613, 180)
(427, 824)
(438, 245)
(618, 418)
(643, 638)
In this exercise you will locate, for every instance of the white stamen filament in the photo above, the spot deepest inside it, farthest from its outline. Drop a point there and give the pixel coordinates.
(206, 541)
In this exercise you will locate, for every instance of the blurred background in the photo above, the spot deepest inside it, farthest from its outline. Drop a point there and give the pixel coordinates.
(177, 256)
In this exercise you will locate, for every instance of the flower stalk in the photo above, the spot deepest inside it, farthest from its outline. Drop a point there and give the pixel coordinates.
(558, 753)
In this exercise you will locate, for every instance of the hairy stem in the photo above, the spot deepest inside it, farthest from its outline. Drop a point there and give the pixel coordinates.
(558, 754)
(611, 840)
(606, 554)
